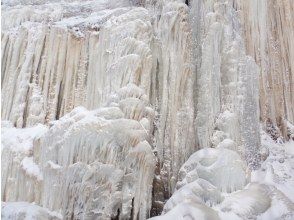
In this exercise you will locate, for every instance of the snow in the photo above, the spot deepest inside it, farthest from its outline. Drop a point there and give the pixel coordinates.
(26, 211)
(268, 195)
(277, 170)
(31, 168)
(289, 148)
(187, 210)
(221, 167)
(20, 140)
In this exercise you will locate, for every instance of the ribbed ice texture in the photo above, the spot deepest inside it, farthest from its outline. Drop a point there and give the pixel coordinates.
(268, 32)
(172, 91)
(186, 59)
(90, 164)
(227, 85)
(82, 57)
(83, 138)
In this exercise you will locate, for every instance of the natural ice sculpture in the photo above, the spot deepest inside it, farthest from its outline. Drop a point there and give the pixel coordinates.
(115, 58)
(227, 80)
(89, 164)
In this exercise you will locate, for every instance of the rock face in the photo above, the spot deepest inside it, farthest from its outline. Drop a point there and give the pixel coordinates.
(268, 32)
(122, 109)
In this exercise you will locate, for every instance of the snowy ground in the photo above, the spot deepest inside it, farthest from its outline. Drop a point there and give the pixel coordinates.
(278, 169)
(26, 211)
(269, 195)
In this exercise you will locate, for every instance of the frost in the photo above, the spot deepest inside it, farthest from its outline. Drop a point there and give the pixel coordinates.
(31, 168)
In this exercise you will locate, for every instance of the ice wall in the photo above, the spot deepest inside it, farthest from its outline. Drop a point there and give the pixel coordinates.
(158, 80)
(227, 124)
(172, 91)
(226, 80)
(101, 46)
(53, 53)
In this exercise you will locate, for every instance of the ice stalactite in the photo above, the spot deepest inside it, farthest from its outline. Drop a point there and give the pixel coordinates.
(89, 164)
(172, 87)
(226, 81)
(60, 57)
(109, 101)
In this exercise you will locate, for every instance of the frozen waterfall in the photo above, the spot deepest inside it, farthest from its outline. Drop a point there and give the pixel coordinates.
(137, 109)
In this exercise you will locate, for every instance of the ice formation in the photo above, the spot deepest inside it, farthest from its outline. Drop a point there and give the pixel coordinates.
(104, 152)
(128, 109)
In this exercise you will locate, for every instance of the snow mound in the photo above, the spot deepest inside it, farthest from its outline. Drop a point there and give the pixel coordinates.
(189, 210)
(269, 195)
(223, 168)
(199, 191)
(26, 211)
(247, 203)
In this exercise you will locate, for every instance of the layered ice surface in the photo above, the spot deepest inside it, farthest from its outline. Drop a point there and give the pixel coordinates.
(88, 165)
(126, 109)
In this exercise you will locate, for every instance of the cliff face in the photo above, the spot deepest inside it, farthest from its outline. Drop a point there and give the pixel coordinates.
(268, 32)
(157, 81)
